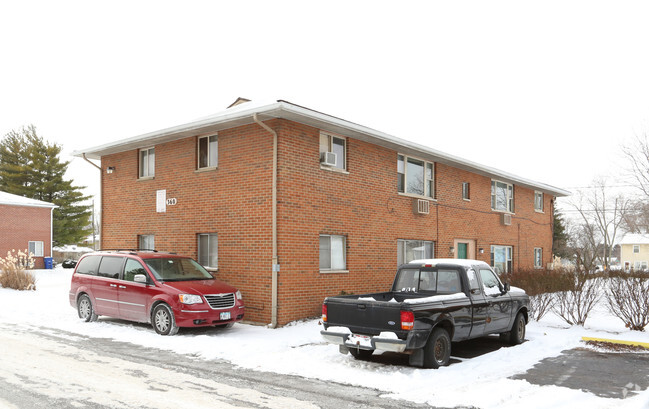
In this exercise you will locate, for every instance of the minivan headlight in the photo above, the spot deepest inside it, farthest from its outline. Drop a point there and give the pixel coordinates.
(238, 294)
(190, 299)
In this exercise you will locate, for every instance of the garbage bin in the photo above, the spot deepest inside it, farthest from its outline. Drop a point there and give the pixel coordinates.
(49, 262)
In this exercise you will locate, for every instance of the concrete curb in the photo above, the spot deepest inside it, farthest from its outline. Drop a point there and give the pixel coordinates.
(617, 341)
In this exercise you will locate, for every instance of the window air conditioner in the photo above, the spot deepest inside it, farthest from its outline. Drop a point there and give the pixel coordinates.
(421, 206)
(507, 219)
(328, 158)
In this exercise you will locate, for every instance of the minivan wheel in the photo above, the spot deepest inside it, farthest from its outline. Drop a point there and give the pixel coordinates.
(85, 310)
(163, 320)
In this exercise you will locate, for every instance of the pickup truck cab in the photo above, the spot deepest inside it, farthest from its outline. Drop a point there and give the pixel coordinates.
(432, 303)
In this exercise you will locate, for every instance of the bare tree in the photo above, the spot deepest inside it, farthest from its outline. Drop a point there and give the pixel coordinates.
(584, 242)
(603, 214)
(638, 159)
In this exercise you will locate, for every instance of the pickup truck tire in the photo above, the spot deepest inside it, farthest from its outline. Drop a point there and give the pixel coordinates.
(362, 354)
(437, 351)
(516, 335)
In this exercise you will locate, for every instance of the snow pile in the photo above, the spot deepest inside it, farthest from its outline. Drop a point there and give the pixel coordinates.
(299, 349)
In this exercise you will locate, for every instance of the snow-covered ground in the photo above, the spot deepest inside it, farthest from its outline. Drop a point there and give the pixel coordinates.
(299, 350)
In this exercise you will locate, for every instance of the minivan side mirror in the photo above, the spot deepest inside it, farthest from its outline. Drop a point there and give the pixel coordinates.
(140, 278)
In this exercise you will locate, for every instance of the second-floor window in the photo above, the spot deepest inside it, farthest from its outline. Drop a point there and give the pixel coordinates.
(147, 163)
(538, 201)
(333, 151)
(502, 196)
(208, 151)
(415, 177)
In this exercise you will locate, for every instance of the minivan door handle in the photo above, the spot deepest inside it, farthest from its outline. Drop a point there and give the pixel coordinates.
(122, 286)
(113, 285)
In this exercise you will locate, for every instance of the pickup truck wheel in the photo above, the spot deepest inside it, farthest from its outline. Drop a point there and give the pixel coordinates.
(437, 351)
(517, 333)
(362, 354)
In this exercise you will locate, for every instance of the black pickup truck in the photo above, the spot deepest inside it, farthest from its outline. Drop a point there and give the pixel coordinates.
(432, 303)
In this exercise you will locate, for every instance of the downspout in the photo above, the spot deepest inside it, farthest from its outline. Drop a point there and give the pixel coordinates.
(101, 192)
(275, 264)
(88, 160)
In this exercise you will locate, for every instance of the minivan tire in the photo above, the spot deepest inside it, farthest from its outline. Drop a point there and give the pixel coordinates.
(163, 321)
(85, 310)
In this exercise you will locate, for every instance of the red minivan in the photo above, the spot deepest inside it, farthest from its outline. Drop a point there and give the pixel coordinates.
(164, 289)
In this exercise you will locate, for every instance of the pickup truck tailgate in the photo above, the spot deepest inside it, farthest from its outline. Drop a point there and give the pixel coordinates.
(364, 316)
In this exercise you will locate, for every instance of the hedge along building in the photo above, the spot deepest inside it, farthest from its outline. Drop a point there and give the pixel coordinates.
(26, 226)
(292, 205)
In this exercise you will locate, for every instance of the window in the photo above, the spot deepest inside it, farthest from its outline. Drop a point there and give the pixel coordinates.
(502, 196)
(636, 248)
(146, 242)
(408, 250)
(415, 177)
(110, 267)
(133, 268)
(88, 265)
(466, 191)
(147, 163)
(490, 282)
(538, 201)
(501, 259)
(332, 253)
(336, 145)
(208, 151)
(36, 248)
(208, 250)
(538, 258)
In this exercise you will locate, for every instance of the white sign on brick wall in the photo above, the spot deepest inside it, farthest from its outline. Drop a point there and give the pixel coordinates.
(161, 201)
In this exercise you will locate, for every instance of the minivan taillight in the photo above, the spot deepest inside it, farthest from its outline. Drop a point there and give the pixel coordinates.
(324, 312)
(407, 320)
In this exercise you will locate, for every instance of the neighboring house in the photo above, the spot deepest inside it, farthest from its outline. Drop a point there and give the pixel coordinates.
(26, 225)
(292, 205)
(634, 253)
(70, 252)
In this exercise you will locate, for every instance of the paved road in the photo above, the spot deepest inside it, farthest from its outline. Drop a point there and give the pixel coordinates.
(46, 368)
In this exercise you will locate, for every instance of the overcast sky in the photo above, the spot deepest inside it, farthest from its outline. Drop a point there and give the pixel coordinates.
(548, 90)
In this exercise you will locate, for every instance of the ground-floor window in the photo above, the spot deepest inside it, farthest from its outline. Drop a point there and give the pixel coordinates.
(640, 266)
(36, 248)
(146, 242)
(208, 254)
(408, 250)
(538, 258)
(332, 252)
(501, 259)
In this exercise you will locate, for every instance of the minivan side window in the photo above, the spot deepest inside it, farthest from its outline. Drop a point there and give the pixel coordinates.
(132, 268)
(88, 265)
(110, 267)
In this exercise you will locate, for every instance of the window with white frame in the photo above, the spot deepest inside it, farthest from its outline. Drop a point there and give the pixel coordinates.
(538, 257)
(147, 163)
(208, 250)
(466, 191)
(408, 250)
(332, 253)
(501, 259)
(415, 176)
(335, 148)
(636, 248)
(36, 248)
(502, 196)
(208, 151)
(538, 201)
(640, 266)
(146, 242)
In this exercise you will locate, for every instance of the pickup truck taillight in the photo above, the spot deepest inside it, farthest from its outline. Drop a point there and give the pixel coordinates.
(407, 320)
(324, 312)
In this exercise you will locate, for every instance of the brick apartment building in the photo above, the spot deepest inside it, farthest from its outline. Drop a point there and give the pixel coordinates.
(26, 225)
(292, 205)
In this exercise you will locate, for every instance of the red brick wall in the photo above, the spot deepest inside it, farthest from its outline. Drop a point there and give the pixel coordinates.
(16, 232)
(361, 204)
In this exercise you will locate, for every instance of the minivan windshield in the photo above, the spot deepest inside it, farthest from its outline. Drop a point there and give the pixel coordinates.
(177, 269)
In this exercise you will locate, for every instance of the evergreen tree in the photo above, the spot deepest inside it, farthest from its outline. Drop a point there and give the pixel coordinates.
(30, 167)
(559, 236)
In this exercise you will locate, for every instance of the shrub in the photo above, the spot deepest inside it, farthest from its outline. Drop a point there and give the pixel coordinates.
(628, 299)
(541, 286)
(574, 305)
(14, 274)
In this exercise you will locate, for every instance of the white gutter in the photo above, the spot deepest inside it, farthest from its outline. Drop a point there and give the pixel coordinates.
(275, 264)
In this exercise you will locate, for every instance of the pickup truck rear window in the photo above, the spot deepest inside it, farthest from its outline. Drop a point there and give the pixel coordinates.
(438, 281)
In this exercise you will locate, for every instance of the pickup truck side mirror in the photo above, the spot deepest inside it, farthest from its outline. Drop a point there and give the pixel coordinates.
(506, 288)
